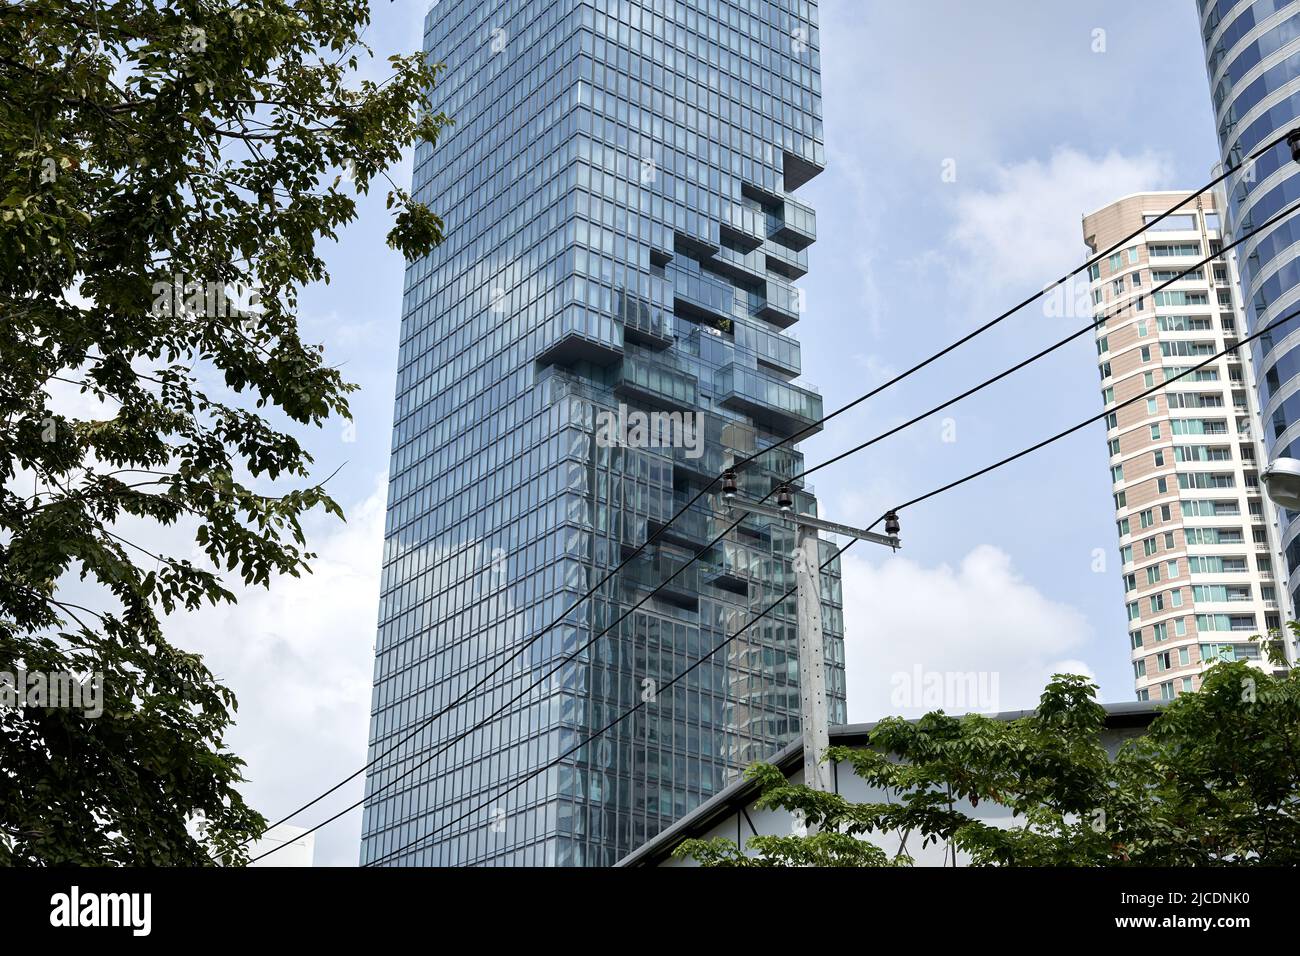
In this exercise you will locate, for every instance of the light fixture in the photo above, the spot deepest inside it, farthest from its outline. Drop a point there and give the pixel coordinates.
(1282, 482)
(784, 500)
(729, 485)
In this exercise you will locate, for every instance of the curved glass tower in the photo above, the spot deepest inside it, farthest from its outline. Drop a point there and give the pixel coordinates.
(1253, 60)
(603, 331)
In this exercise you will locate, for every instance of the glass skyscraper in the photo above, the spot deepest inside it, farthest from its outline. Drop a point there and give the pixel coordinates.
(1253, 60)
(621, 245)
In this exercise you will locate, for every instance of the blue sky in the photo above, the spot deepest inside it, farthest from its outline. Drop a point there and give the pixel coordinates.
(996, 577)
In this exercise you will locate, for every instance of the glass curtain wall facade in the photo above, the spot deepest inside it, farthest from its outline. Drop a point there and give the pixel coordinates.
(621, 241)
(1253, 61)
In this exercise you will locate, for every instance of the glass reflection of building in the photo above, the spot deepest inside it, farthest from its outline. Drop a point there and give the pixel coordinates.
(1253, 60)
(620, 237)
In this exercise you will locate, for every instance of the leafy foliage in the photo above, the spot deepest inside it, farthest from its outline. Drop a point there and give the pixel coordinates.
(164, 165)
(1214, 781)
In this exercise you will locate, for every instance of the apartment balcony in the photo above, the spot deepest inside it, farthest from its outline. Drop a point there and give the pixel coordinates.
(744, 226)
(798, 169)
(580, 335)
(748, 268)
(657, 385)
(776, 351)
(795, 225)
(693, 529)
(786, 262)
(781, 304)
(648, 574)
(644, 322)
(772, 403)
(702, 298)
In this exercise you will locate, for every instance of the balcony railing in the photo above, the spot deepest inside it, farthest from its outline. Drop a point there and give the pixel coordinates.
(770, 402)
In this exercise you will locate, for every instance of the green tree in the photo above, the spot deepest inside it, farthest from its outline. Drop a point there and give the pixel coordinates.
(1214, 781)
(168, 169)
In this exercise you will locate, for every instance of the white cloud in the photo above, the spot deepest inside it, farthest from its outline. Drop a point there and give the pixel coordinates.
(299, 658)
(1026, 228)
(975, 637)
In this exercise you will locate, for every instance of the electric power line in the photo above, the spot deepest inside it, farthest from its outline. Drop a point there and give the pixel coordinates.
(983, 471)
(617, 720)
(1097, 322)
(577, 652)
(744, 462)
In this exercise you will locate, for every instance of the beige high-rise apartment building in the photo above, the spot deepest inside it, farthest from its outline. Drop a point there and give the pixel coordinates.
(1198, 538)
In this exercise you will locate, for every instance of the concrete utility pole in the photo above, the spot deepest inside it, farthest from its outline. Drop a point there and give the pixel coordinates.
(812, 648)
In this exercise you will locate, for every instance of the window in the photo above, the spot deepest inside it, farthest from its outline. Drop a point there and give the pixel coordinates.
(1149, 381)
(1176, 598)
(1108, 395)
(1122, 525)
(1180, 627)
(1153, 574)
(1184, 658)
(1136, 639)
(1165, 250)
(1160, 632)
(1140, 667)
(1130, 582)
(1159, 456)
(1153, 407)
(1145, 353)
(1113, 445)
(1157, 603)
(1117, 473)
(1162, 486)
(1133, 611)
(1187, 684)
(1171, 568)
(1146, 518)
(1181, 298)
(1182, 222)
(1148, 547)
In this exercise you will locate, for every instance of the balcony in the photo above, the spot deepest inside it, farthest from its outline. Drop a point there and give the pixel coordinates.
(797, 170)
(781, 305)
(644, 321)
(699, 297)
(657, 385)
(772, 403)
(786, 262)
(745, 267)
(776, 351)
(744, 226)
(579, 335)
(795, 225)
(693, 529)
(683, 590)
